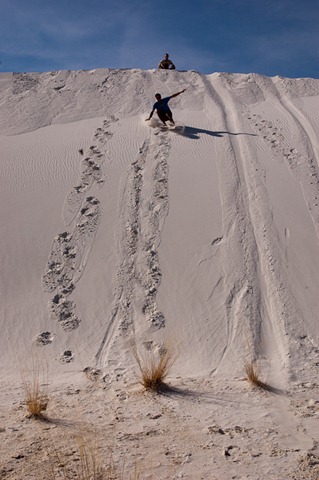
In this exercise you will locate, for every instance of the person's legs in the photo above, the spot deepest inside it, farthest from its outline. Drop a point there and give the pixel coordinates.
(162, 116)
(170, 117)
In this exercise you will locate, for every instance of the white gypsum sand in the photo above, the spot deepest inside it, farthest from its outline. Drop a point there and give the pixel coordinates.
(118, 235)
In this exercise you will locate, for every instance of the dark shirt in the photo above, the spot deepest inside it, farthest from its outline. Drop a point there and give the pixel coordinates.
(162, 105)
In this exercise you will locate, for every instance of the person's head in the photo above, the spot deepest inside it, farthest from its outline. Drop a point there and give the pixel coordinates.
(166, 56)
(158, 96)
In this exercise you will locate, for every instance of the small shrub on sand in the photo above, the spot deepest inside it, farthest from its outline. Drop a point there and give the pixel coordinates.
(154, 368)
(36, 394)
(84, 464)
(89, 467)
(253, 375)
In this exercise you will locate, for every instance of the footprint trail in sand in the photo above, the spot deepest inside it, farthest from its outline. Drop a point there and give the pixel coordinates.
(70, 249)
(141, 219)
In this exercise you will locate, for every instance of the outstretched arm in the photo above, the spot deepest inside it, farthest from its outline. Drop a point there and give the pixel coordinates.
(149, 118)
(178, 93)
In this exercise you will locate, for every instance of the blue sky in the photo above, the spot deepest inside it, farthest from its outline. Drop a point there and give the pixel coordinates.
(274, 37)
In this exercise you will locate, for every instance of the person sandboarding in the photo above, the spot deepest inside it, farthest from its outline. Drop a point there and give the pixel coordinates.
(163, 111)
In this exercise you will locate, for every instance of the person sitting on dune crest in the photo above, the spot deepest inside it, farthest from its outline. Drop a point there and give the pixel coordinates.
(166, 64)
(163, 111)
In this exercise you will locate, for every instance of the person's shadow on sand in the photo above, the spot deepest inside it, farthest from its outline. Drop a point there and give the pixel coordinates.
(194, 133)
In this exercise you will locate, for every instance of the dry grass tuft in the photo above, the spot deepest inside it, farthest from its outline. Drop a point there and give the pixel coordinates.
(83, 464)
(154, 368)
(90, 467)
(36, 392)
(253, 375)
(36, 404)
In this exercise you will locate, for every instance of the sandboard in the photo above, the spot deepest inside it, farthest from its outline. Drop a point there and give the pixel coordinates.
(178, 127)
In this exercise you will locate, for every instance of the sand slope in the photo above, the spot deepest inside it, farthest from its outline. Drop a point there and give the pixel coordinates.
(115, 232)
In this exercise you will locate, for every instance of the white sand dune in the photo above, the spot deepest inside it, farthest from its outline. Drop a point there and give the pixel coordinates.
(206, 238)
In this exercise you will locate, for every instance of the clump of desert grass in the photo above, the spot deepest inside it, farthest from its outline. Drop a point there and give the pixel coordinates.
(88, 465)
(154, 367)
(35, 387)
(253, 375)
